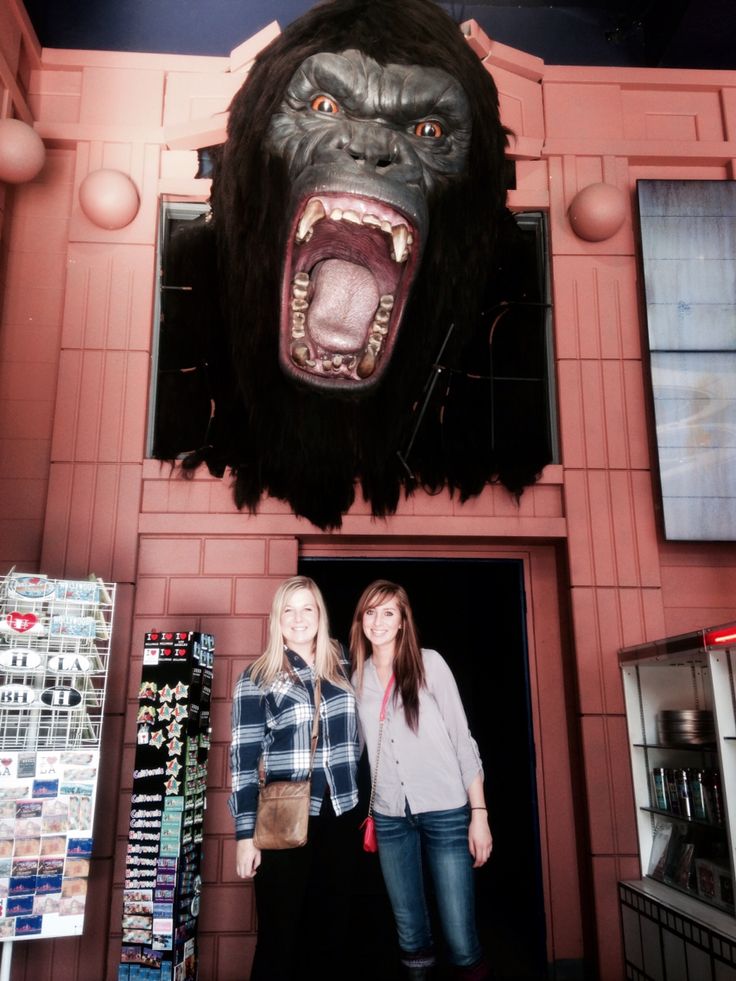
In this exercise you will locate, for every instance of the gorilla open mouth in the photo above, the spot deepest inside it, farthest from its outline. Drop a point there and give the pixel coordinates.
(350, 263)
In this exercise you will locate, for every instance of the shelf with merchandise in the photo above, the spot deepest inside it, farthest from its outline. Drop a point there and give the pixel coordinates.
(680, 700)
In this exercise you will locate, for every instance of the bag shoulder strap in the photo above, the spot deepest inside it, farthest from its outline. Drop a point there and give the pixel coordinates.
(381, 720)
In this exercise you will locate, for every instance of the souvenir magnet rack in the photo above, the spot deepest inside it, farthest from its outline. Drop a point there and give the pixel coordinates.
(54, 651)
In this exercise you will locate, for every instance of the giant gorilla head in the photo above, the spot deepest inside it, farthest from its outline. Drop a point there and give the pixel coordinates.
(356, 212)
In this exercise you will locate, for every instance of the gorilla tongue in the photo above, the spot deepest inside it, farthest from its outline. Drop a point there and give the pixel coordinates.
(342, 306)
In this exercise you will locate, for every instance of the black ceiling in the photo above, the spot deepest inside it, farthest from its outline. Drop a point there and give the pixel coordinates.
(635, 33)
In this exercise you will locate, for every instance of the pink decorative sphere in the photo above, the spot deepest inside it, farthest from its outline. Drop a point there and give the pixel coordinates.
(597, 212)
(109, 198)
(22, 153)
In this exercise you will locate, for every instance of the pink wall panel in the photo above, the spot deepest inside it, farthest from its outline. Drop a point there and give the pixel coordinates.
(558, 783)
(232, 556)
(101, 407)
(656, 115)
(23, 499)
(20, 543)
(173, 504)
(46, 269)
(27, 418)
(34, 265)
(25, 458)
(710, 587)
(90, 521)
(610, 797)
(233, 957)
(607, 870)
(254, 595)
(38, 233)
(597, 109)
(606, 510)
(195, 595)
(520, 102)
(109, 296)
(603, 618)
(196, 95)
(119, 666)
(55, 95)
(282, 556)
(9, 39)
(596, 307)
(136, 158)
(239, 640)
(127, 97)
(570, 172)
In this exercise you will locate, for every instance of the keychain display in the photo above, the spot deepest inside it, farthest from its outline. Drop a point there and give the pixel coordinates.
(161, 897)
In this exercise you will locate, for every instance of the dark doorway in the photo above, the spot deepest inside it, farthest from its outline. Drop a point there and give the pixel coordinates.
(473, 612)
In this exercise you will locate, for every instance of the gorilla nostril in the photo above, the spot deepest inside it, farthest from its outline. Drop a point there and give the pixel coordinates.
(384, 162)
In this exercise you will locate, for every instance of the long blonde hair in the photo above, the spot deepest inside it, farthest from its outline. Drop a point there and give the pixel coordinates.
(273, 663)
(408, 664)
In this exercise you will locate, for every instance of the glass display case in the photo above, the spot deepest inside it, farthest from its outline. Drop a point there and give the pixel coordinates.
(680, 708)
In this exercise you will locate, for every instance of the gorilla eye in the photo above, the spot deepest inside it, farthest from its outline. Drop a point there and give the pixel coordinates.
(323, 103)
(429, 128)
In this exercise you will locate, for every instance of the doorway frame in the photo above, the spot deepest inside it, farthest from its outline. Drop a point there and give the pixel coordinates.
(550, 712)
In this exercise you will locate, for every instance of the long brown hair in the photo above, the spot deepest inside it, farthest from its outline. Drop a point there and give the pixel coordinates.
(408, 665)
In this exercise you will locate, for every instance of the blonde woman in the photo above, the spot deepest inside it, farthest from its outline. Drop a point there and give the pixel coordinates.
(301, 893)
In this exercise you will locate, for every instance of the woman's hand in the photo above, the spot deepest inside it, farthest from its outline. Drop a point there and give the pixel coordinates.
(480, 840)
(247, 858)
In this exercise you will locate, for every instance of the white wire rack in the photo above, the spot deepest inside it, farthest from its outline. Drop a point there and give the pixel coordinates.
(54, 652)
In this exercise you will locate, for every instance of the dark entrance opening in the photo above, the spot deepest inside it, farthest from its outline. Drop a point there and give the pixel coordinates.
(473, 612)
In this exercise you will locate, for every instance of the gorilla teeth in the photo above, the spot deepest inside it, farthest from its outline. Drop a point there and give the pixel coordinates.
(332, 361)
(300, 354)
(315, 211)
(367, 364)
(400, 238)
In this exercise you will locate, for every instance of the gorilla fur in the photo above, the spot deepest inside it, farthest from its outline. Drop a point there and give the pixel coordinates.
(312, 448)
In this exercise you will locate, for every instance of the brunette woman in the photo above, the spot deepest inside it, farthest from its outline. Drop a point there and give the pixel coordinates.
(428, 780)
(301, 893)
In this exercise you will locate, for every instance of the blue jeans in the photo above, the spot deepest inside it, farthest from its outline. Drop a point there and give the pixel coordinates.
(443, 838)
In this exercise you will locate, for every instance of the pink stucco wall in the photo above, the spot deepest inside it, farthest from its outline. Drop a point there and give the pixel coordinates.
(78, 496)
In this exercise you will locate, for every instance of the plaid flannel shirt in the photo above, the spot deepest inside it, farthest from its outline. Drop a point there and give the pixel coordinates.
(277, 723)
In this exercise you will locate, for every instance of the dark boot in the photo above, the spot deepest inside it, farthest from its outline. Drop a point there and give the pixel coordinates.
(476, 972)
(419, 966)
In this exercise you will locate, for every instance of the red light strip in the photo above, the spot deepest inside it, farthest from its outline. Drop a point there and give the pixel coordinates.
(720, 637)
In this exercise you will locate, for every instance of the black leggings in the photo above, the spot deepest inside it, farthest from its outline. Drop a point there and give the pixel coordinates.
(303, 902)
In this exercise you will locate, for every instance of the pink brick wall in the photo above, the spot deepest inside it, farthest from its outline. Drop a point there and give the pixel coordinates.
(77, 494)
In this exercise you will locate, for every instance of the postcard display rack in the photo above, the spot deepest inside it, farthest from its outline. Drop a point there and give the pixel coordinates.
(680, 698)
(54, 652)
(162, 877)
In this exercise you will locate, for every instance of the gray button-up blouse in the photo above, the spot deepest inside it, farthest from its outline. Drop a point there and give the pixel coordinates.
(432, 768)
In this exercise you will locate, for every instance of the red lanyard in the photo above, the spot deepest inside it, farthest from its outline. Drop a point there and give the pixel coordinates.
(382, 716)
